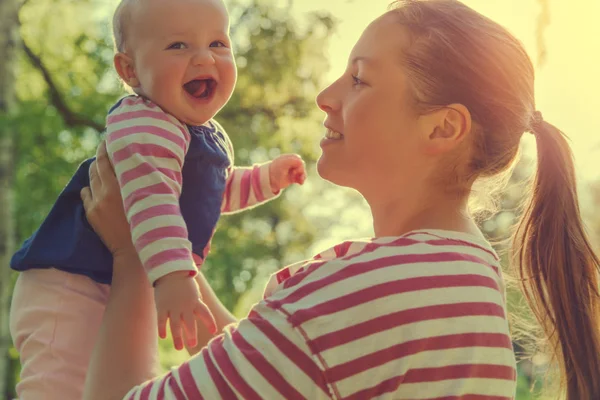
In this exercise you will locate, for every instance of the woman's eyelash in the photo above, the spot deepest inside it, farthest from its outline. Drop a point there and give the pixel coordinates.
(356, 80)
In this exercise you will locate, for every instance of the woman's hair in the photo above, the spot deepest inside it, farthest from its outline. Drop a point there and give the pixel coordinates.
(456, 55)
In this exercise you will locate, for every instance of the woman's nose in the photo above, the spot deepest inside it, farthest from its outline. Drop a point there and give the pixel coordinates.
(327, 99)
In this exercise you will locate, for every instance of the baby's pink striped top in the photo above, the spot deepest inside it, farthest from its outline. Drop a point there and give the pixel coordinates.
(147, 148)
(421, 316)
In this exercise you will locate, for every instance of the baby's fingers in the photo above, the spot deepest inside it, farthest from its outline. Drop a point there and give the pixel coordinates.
(203, 314)
(175, 321)
(189, 329)
(162, 325)
(298, 175)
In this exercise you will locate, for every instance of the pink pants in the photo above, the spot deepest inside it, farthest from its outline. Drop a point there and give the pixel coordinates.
(54, 319)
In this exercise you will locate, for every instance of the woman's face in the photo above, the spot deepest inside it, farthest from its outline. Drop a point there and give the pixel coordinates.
(370, 137)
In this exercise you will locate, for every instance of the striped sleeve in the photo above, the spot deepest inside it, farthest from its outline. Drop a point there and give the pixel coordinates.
(147, 148)
(247, 187)
(261, 358)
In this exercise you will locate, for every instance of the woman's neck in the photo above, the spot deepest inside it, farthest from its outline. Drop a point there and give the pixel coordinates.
(402, 214)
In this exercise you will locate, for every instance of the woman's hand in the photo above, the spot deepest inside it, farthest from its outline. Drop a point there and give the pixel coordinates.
(104, 206)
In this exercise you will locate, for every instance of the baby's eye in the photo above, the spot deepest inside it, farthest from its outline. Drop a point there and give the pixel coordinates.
(218, 43)
(177, 46)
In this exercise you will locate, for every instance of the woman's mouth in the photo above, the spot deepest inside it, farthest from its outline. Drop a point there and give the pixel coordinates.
(200, 88)
(333, 135)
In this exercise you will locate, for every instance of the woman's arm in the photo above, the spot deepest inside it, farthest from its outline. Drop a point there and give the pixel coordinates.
(128, 330)
(126, 351)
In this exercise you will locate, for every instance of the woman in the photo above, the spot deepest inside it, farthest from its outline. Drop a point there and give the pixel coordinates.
(434, 97)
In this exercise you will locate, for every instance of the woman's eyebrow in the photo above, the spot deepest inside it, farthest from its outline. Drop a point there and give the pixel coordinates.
(367, 60)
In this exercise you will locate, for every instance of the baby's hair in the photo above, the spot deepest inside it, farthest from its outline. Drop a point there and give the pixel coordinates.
(121, 19)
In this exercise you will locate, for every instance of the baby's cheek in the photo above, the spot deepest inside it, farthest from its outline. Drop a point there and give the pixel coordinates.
(230, 71)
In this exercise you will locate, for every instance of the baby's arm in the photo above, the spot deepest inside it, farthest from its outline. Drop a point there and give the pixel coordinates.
(246, 188)
(147, 148)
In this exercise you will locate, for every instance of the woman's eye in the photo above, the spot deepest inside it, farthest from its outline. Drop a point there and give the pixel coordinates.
(218, 43)
(356, 81)
(177, 46)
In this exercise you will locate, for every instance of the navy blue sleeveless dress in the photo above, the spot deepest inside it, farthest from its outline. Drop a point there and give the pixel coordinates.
(66, 241)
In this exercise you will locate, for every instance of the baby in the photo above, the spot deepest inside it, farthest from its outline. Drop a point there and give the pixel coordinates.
(174, 163)
(177, 58)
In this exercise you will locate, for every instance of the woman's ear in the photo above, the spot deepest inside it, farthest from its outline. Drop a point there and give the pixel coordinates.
(126, 70)
(446, 128)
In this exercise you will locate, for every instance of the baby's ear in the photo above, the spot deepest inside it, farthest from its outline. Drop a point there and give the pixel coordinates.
(126, 70)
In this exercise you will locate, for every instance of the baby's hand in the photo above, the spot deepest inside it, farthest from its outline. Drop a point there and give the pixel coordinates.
(178, 299)
(285, 170)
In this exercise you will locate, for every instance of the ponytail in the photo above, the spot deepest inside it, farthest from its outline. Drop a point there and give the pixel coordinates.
(558, 269)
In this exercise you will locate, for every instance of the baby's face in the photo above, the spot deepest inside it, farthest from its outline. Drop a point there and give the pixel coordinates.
(182, 56)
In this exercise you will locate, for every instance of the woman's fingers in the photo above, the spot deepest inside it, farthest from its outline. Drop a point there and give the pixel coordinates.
(105, 170)
(102, 158)
(95, 181)
(99, 170)
(86, 197)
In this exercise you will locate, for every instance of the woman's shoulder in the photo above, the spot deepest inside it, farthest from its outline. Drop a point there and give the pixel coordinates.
(413, 242)
(432, 252)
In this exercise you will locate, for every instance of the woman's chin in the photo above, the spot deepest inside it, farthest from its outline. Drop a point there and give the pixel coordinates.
(322, 168)
(330, 172)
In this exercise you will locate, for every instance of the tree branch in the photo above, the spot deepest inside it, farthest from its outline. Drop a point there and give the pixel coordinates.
(71, 119)
(543, 22)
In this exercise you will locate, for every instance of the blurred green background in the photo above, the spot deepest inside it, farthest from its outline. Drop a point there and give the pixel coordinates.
(57, 83)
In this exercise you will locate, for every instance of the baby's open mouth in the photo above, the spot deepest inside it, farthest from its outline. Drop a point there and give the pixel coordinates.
(200, 88)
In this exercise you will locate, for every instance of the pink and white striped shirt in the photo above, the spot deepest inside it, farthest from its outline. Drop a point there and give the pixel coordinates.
(420, 316)
(147, 147)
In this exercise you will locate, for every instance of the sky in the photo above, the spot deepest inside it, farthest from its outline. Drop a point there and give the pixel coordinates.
(567, 85)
